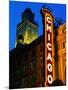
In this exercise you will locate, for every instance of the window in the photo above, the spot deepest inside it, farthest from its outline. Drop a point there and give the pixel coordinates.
(42, 72)
(24, 68)
(33, 52)
(33, 79)
(40, 85)
(63, 30)
(41, 48)
(23, 82)
(33, 65)
(41, 51)
(41, 59)
(63, 44)
(64, 65)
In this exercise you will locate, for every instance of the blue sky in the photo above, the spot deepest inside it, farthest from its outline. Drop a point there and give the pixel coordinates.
(17, 7)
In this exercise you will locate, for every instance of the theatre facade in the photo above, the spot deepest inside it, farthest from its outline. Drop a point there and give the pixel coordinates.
(42, 61)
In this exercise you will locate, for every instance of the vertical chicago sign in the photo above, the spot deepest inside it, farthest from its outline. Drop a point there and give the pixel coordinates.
(48, 43)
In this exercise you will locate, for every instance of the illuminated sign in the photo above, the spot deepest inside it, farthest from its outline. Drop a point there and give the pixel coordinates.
(49, 50)
(48, 30)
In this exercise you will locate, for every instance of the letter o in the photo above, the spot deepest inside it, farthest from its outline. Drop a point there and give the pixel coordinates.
(49, 79)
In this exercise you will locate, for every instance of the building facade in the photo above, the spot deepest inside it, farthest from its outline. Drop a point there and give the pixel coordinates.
(27, 61)
(61, 47)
